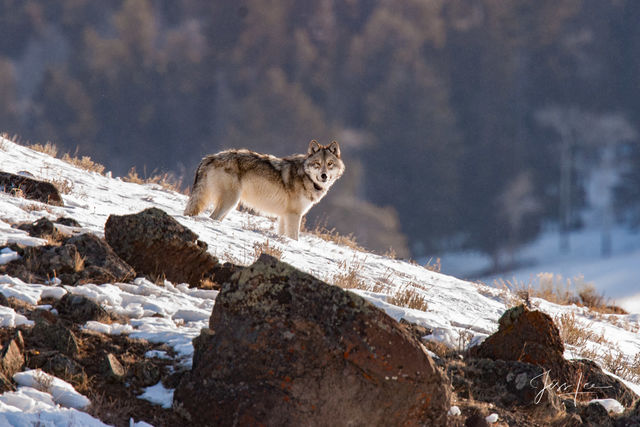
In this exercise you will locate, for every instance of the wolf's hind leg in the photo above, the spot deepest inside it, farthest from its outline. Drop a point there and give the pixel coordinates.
(291, 222)
(226, 202)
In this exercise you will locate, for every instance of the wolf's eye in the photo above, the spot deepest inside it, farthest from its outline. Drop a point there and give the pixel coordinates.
(316, 165)
(330, 164)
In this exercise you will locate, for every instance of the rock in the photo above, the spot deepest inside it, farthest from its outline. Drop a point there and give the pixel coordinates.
(146, 372)
(113, 368)
(418, 331)
(57, 364)
(595, 414)
(4, 301)
(5, 384)
(101, 263)
(55, 336)
(11, 358)
(476, 419)
(81, 259)
(511, 385)
(30, 188)
(157, 245)
(42, 228)
(284, 348)
(525, 336)
(532, 337)
(69, 222)
(80, 309)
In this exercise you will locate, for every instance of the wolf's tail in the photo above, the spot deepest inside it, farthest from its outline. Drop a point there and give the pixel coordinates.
(197, 200)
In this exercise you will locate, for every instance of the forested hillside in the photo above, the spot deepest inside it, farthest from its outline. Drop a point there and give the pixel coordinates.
(472, 121)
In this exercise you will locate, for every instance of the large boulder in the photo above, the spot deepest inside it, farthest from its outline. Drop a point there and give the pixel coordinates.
(532, 337)
(284, 348)
(29, 188)
(158, 246)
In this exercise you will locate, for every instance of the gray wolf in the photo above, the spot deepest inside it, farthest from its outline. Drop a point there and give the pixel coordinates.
(285, 187)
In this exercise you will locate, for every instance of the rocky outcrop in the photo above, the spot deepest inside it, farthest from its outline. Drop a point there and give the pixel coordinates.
(29, 188)
(532, 337)
(77, 260)
(284, 348)
(158, 246)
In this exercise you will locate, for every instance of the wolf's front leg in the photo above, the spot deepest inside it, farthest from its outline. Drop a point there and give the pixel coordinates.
(291, 224)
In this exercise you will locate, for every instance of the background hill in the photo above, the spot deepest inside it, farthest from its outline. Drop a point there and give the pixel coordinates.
(465, 124)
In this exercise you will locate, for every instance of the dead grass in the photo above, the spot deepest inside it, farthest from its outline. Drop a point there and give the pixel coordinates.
(31, 207)
(409, 297)
(63, 185)
(48, 148)
(84, 162)
(575, 333)
(43, 381)
(266, 248)
(108, 409)
(331, 235)
(554, 288)
(166, 180)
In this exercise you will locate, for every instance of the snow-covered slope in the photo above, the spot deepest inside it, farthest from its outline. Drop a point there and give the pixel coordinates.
(175, 314)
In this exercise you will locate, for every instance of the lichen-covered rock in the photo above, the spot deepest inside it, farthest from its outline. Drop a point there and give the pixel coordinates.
(157, 245)
(532, 337)
(43, 228)
(284, 348)
(81, 309)
(53, 335)
(29, 188)
(80, 259)
(511, 385)
(100, 261)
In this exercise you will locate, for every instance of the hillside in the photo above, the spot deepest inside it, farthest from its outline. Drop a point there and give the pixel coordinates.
(458, 313)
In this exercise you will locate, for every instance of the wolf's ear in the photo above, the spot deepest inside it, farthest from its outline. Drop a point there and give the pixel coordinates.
(334, 147)
(314, 147)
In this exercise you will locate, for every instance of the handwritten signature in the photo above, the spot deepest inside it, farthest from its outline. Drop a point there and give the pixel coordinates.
(563, 389)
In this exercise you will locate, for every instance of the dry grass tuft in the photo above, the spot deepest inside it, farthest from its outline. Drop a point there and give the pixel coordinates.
(48, 148)
(435, 266)
(575, 333)
(554, 288)
(63, 185)
(409, 297)
(31, 207)
(266, 248)
(166, 180)
(84, 162)
(108, 409)
(331, 235)
(43, 381)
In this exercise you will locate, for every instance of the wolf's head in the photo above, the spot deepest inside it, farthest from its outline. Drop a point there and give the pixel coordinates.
(323, 163)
